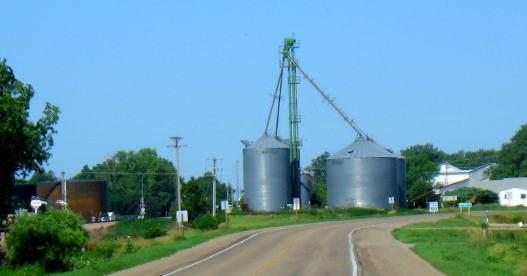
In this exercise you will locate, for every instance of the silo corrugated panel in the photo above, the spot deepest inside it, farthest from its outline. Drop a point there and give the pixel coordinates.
(363, 174)
(401, 181)
(266, 174)
(306, 190)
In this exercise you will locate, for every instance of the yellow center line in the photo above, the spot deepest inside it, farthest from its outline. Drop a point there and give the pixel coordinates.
(273, 259)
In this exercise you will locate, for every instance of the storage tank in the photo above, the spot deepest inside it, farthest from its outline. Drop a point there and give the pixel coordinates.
(87, 198)
(306, 190)
(364, 174)
(266, 174)
(401, 181)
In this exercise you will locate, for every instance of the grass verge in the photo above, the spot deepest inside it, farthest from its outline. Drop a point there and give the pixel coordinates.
(457, 246)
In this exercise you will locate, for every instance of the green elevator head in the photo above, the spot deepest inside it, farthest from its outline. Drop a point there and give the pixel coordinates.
(289, 42)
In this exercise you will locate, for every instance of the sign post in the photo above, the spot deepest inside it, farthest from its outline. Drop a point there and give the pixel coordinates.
(464, 205)
(296, 205)
(391, 201)
(433, 207)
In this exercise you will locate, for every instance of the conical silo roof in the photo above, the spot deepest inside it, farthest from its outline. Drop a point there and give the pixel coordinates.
(363, 148)
(266, 141)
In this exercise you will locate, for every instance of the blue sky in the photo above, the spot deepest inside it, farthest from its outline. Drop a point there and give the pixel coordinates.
(128, 74)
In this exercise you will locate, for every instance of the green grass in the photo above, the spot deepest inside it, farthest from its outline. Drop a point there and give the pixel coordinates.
(467, 251)
(137, 227)
(173, 242)
(94, 263)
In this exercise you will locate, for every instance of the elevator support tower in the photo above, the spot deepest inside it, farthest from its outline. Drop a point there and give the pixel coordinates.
(294, 141)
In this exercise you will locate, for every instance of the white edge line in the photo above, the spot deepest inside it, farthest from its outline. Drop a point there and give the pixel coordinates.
(239, 243)
(353, 258)
(214, 255)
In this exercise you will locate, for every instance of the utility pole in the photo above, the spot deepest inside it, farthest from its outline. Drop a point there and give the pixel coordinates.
(177, 146)
(238, 181)
(64, 189)
(214, 161)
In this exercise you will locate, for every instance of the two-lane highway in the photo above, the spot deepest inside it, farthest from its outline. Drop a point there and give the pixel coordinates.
(361, 246)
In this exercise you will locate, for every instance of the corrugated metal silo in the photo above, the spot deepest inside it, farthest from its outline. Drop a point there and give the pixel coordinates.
(363, 174)
(401, 181)
(306, 190)
(266, 174)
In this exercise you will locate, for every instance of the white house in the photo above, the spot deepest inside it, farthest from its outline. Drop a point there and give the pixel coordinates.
(449, 174)
(513, 197)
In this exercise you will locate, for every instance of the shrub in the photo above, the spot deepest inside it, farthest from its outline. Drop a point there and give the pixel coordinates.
(50, 239)
(104, 249)
(154, 231)
(205, 222)
(471, 193)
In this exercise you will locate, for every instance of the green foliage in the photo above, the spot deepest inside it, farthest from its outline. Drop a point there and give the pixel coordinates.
(509, 217)
(205, 222)
(512, 159)
(139, 228)
(474, 194)
(50, 239)
(197, 195)
(472, 159)
(154, 231)
(420, 168)
(318, 168)
(42, 176)
(123, 171)
(24, 145)
(130, 246)
(320, 195)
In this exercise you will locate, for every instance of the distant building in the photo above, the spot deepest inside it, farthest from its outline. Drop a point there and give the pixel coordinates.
(513, 197)
(511, 191)
(87, 198)
(449, 174)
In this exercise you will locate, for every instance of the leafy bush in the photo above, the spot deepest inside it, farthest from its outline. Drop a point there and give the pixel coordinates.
(50, 239)
(476, 194)
(138, 228)
(154, 231)
(205, 222)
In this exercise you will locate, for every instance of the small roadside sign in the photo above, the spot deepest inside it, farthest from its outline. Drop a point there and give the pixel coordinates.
(182, 216)
(449, 198)
(224, 204)
(391, 200)
(296, 203)
(464, 205)
(433, 207)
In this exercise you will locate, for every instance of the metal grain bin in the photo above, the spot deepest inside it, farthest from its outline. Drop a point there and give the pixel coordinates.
(306, 190)
(266, 174)
(363, 174)
(401, 181)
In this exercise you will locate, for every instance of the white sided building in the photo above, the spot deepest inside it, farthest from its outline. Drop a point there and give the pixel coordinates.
(449, 174)
(513, 197)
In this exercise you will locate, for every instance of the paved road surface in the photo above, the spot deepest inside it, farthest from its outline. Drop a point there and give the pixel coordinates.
(310, 249)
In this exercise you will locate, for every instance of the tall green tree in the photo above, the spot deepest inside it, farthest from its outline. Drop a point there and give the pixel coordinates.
(126, 172)
(512, 158)
(24, 145)
(472, 159)
(421, 166)
(197, 194)
(317, 168)
(42, 176)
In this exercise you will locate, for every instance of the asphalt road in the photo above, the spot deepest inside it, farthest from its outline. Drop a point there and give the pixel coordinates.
(361, 246)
